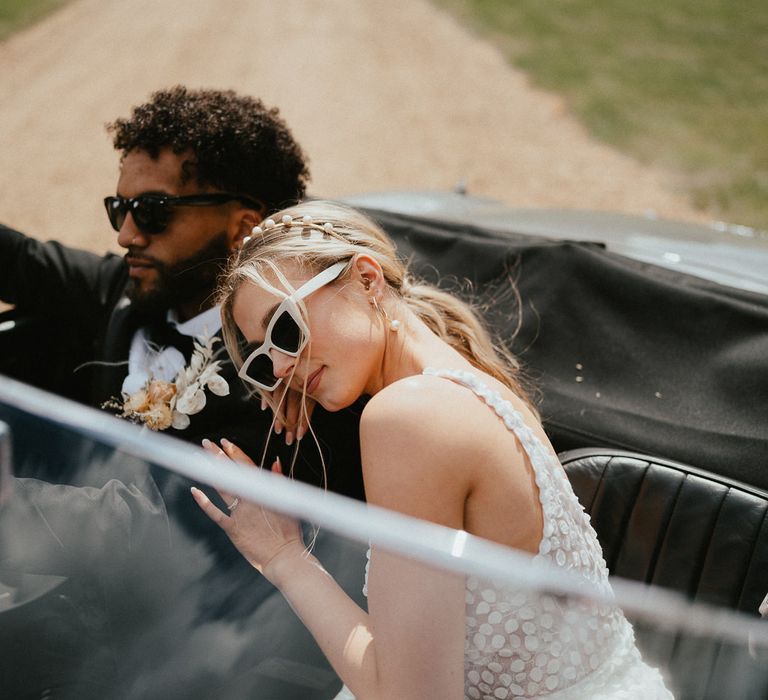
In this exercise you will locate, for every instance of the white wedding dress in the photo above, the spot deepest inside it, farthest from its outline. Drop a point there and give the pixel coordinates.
(525, 644)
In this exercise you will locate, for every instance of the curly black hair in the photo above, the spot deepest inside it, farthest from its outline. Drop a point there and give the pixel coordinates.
(235, 143)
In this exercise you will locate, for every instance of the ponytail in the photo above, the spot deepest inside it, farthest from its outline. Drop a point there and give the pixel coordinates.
(459, 325)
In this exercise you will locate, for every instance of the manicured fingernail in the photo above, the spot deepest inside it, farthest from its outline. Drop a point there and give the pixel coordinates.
(264, 404)
(206, 442)
(226, 443)
(278, 428)
(288, 438)
(301, 432)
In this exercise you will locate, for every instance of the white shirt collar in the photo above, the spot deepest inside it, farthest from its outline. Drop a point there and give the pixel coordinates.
(205, 324)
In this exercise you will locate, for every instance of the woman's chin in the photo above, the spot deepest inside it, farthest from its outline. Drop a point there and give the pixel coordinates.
(329, 405)
(332, 404)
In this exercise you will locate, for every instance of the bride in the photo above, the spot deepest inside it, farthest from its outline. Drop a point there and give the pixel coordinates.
(318, 301)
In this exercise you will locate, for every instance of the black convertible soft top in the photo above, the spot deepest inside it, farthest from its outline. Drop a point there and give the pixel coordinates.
(620, 353)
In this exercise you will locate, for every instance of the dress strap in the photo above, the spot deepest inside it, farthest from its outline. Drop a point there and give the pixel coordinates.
(548, 474)
(512, 418)
(567, 537)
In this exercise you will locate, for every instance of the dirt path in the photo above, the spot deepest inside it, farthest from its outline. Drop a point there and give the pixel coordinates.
(383, 96)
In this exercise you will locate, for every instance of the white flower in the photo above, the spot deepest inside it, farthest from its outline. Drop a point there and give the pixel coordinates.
(180, 420)
(191, 401)
(218, 385)
(210, 370)
(196, 365)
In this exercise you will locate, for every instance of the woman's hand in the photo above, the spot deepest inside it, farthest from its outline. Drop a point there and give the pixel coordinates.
(262, 536)
(292, 418)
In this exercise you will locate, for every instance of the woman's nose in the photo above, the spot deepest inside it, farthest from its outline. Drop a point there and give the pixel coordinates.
(282, 364)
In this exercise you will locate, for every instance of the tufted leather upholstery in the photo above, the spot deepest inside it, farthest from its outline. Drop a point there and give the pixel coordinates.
(682, 528)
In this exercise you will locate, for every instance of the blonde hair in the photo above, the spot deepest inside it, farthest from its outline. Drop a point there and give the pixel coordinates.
(353, 233)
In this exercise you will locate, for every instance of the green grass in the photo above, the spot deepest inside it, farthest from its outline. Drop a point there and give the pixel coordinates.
(678, 83)
(17, 14)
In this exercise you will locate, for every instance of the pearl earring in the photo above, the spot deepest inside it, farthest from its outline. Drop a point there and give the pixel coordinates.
(394, 324)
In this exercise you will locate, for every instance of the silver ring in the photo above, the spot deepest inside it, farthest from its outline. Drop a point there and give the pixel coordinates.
(233, 505)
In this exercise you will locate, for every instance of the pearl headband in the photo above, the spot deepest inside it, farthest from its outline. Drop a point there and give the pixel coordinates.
(315, 231)
(309, 228)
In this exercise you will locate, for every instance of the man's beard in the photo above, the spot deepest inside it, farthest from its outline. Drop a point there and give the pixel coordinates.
(192, 279)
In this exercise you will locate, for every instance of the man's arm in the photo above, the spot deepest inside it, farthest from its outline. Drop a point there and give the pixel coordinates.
(51, 280)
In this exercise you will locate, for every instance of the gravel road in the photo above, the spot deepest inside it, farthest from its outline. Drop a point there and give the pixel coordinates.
(382, 95)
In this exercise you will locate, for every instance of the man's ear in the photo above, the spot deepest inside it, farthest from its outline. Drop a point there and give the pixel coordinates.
(241, 224)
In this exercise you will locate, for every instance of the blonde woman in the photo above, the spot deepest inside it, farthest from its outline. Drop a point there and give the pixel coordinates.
(318, 301)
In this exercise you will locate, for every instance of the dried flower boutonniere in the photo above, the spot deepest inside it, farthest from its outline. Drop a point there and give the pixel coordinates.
(161, 405)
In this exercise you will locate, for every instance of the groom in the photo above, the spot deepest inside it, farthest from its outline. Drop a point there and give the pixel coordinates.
(198, 169)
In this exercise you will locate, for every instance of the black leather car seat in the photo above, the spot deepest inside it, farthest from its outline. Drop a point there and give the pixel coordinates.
(691, 531)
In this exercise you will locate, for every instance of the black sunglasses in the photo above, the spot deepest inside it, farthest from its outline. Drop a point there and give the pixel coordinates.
(152, 212)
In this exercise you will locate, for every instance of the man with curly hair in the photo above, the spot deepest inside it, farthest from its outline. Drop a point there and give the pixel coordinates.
(198, 170)
(189, 144)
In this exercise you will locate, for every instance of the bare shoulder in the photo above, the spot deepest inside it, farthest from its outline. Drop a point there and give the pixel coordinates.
(419, 406)
(421, 441)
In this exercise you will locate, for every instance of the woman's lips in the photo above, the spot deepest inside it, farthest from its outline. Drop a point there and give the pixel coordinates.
(314, 380)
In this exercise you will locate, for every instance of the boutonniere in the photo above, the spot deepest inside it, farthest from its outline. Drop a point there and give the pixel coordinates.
(161, 404)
